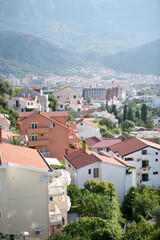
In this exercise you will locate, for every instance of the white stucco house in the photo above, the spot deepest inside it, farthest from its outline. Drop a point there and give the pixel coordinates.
(144, 155)
(84, 165)
(86, 129)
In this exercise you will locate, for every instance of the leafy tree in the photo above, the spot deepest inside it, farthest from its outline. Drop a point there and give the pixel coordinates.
(102, 107)
(130, 115)
(144, 113)
(89, 100)
(156, 215)
(108, 134)
(106, 121)
(114, 110)
(149, 124)
(128, 126)
(53, 102)
(74, 193)
(5, 88)
(125, 113)
(137, 115)
(71, 117)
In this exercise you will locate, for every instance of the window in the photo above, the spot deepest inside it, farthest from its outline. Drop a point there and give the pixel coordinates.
(144, 177)
(57, 96)
(89, 171)
(144, 152)
(61, 106)
(81, 124)
(46, 134)
(155, 173)
(52, 124)
(129, 159)
(0, 214)
(34, 138)
(74, 96)
(96, 172)
(23, 94)
(156, 153)
(51, 198)
(34, 125)
(69, 165)
(43, 149)
(42, 135)
(156, 160)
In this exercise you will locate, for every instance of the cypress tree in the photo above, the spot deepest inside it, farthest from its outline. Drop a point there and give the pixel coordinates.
(124, 112)
(137, 114)
(144, 113)
(130, 115)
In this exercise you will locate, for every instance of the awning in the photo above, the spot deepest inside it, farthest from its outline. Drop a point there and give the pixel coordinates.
(53, 161)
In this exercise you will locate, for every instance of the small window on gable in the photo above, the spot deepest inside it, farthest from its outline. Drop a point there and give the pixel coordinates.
(61, 106)
(156, 160)
(89, 171)
(69, 165)
(52, 124)
(144, 152)
(34, 125)
(156, 153)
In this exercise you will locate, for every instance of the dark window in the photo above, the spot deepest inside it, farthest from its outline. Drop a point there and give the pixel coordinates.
(51, 198)
(96, 172)
(52, 124)
(74, 96)
(155, 173)
(144, 152)
(81, 124)
(61, 106)
(41, 135)
(57, 96)
(129, 159)
(156, 160)
(34, 125)
(156, 153)
(69, 165)
(89, 171)
(144, 177)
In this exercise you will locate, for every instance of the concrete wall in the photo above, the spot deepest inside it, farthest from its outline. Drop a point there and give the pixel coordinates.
(86, 131)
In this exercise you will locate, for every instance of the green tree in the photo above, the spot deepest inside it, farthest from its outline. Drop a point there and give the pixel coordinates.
(144, 113)
(74, 193)
(5, 88)
(17, 141)
(89, 100)
(137, 115)
(130, 115)
(108, 134)
(125, 113)
(102, 107)
(71, 117)
(107, 122)
(156, 215)
(114, 110)
(149, 124)
(128, 126)
(53, 102)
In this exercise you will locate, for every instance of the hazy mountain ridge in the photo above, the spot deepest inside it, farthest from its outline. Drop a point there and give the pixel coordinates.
(102, 25)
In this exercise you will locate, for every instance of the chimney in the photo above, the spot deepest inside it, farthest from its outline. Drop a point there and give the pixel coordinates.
(0, 134)
(66, 151)
(84, 146)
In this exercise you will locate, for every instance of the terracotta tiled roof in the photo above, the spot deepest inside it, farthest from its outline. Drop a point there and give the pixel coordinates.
(21, 156)
(33, 114)
(132, 145)
(28, 99)
(79, 159)
(87, 122)
(25, 114)
(6, 134)
(95, 142)
(56, 114)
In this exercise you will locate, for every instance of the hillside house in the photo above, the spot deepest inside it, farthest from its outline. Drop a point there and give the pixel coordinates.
(86, 129)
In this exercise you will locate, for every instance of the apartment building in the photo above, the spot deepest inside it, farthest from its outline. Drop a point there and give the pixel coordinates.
(84, 165)
(67, 94)
(33, 197)
(144, 155)
(48, 132)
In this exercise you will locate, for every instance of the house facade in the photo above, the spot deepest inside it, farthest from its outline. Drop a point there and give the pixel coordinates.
(67, 94)
(47, 132)
(86, 129)
(84, 165)
(33, 197)
(4, 122)
(144, 155)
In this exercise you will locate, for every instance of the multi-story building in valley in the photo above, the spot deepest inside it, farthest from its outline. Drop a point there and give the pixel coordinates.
(48, 132)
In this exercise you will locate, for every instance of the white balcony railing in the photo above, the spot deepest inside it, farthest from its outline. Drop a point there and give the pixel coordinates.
(55, 188)
(64, 177)
(46, 154)
(147, 183)
(55, 216)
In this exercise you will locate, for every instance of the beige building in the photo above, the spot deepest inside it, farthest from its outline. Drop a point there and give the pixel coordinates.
(33, 197)
(67, 94)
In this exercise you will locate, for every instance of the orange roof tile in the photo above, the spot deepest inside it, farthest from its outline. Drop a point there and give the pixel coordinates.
(87, 122)
(6, 134)
(132, 145)
(21, 156)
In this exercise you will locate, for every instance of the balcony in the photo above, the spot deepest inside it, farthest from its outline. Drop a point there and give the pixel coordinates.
(64, 203)
(56, 188)
(38, 130)
(147, 183)
(46, 154)
(73, 139)
(55, 217)
(145, 169)
(38, 143)
(64, 177)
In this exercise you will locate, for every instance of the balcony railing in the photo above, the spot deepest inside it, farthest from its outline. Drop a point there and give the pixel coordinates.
(147, 183)
(38, 130)
(55, 217)
(38, 143)
(46, 154)
(64, 177)
(55, 188)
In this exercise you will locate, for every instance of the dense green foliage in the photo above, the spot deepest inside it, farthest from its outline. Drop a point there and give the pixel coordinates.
(128, 126)
(19, 141)
(53, 102)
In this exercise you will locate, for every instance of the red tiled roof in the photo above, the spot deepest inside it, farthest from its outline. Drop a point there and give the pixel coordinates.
(79, 159)
(132, 145)
(21, 156)
(87, 122)
(95, 142)
(6, 134)
(28, 99)
(56, 114)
